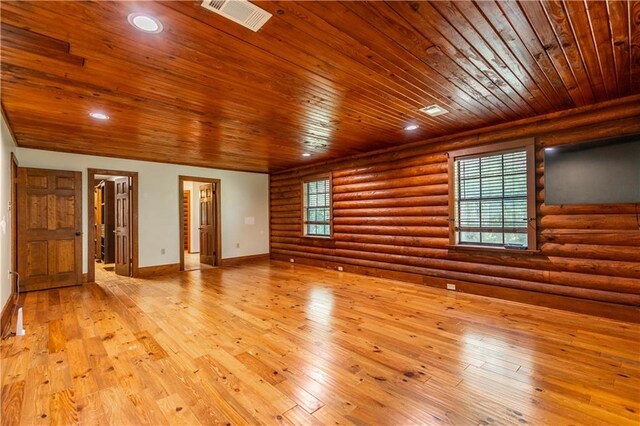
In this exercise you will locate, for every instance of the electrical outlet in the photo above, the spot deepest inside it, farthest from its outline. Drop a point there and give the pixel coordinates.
(291, 260)
(451, 287)
(163, 251)
(340, 268)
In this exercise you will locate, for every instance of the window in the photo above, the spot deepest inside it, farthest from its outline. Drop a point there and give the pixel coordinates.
(492, 196)
(316, 196)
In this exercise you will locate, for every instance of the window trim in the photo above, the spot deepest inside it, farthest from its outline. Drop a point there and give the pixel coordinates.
(314, 178)
(496, 148)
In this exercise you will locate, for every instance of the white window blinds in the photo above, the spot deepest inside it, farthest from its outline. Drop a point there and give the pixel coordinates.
(491, 200)
(317, 206)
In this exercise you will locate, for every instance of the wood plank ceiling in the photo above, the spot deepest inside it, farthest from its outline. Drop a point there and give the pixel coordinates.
(325, 78)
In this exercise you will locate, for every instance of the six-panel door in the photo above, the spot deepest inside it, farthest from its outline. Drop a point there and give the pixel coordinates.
(207, 249)
(123, 227)
(49, 228)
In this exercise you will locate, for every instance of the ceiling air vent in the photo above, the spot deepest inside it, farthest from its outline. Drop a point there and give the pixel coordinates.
(434, 110)
(239, 11)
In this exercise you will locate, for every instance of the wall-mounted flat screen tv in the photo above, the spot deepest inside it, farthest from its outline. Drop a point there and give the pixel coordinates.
(597, 172)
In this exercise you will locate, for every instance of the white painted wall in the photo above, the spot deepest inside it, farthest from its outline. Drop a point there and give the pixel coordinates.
(243, 195)
(7, 147)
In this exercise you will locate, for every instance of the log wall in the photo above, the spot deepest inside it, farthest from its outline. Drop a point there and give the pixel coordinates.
(391, 215)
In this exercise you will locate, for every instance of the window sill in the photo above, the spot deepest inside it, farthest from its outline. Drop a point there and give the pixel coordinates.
(490, 249)
(318, 237)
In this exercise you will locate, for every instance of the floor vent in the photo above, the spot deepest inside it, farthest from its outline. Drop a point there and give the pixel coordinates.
(239, 11)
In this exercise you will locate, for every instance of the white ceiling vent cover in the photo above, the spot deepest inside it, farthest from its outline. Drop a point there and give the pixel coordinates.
(239, 11)
(433, 110)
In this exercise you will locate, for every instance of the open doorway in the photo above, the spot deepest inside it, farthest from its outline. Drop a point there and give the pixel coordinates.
(199, 203)
(112, 224)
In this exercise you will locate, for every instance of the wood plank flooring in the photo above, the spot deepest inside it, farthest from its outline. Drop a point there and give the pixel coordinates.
(192, 262)
(275, 343)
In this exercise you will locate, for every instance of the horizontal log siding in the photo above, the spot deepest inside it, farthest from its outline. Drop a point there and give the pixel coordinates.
(391, 212)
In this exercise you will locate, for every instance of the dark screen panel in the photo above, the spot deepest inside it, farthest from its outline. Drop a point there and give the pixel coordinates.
(606, 172)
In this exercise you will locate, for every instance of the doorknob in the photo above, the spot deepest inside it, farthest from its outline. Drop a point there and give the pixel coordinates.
(78, 233)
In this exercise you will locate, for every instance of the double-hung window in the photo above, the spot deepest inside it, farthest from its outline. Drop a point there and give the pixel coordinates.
(492, 196)
(316, 207)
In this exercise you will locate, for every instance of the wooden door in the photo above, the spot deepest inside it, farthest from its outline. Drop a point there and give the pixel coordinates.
(186, 214)
(207, 221)
(97, 226)
(123, 226)
(108, 222)
(49, 236)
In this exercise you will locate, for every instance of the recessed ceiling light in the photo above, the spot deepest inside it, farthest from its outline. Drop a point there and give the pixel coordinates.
(306, 154)
(411, 127)
(145, 23)
(433, 110)
(99, 115)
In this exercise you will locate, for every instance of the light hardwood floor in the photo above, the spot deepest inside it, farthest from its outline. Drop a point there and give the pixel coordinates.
(192, 262)
(277, 343)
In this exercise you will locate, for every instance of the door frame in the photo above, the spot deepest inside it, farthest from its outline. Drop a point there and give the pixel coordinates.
(91, 255)
(217, 235)
(14, 223)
